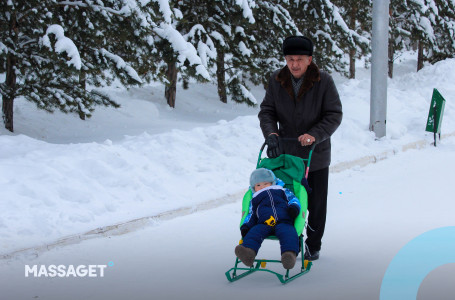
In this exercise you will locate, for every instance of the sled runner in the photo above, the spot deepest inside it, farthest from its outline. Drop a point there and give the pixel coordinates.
(294, 172)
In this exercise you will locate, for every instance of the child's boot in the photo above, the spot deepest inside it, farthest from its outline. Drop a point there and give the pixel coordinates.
(288, 259)
(246, 255)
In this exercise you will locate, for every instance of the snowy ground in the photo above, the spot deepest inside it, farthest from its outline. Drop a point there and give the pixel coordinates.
(62, 176)
(373, 212)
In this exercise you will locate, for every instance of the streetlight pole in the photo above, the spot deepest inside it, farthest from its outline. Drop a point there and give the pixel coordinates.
(379, 65)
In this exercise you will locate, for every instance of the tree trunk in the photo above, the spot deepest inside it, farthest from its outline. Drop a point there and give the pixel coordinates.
(7, 111)
(82, 84)
(391, 54)
(221, 76)
(352, 52)
(185, 83)
(352, 63)
(170, 90)
(420, 57)
(8, 101)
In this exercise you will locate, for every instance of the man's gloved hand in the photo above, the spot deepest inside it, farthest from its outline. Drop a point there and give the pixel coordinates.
(244, 230)
(273, 146)
(293, 211)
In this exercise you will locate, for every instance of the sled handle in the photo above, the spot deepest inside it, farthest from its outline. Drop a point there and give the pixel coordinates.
(308, 160)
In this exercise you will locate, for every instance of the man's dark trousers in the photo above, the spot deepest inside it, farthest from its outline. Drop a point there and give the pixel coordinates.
(317, 208)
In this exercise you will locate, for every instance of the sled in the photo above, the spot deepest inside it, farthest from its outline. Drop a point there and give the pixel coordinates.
(294, 172)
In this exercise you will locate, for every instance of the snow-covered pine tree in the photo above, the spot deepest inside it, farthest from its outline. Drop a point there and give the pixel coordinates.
(215, 28)
(444, 30)
(400, 32)
(414, 23)
(357, 14)
(240, 58)
(421, 22)
(192, 24)
(218, 30)
(200, 23)
(273, 24)
(312, 21)
(41, 63)
(322, 22)
(104, 34)
(219, 25)
(173, 52)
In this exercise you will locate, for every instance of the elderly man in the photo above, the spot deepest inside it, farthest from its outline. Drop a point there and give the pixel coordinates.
(302, 102)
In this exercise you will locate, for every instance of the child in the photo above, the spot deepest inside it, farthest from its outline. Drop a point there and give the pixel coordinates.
(273, 210)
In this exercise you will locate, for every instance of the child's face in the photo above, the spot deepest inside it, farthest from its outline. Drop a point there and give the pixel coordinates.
(259, 186)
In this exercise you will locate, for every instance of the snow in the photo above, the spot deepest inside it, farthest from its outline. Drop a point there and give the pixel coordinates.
(205, 50)
(327, 36)
(246, 6)
(63, 44)
(427, 28)
(247, 94)
(244, 49)
(63, 176)
(373, 212)
(3, 48)
(121, 64)
(185, 49)
(165, 10)
(178, 13)
(219, 37)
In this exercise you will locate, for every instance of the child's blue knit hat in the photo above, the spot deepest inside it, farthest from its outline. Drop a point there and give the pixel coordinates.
(261, 175)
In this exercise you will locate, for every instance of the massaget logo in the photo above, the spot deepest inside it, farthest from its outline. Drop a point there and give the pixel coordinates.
(66, 270)
(415, 261)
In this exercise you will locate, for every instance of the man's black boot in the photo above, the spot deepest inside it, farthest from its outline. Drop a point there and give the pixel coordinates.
(311, 255)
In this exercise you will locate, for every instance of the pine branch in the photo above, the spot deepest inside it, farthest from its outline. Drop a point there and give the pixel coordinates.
(85, 5)
(29, 41)
(26, 13)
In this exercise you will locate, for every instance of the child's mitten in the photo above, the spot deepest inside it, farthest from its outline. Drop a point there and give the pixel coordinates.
(244, 230)
(293, 211)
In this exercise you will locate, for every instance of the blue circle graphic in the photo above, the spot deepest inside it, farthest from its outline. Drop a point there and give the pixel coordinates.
(415, 261)
(110, 264)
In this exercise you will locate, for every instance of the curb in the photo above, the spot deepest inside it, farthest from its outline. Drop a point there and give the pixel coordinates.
(366, 160)
(135, 224)
(124, 227)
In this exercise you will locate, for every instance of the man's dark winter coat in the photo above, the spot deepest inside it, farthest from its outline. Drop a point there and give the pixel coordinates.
(316, 110)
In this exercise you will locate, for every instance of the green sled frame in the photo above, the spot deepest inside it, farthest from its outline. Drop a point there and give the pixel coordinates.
(260, 265)
(291, 170)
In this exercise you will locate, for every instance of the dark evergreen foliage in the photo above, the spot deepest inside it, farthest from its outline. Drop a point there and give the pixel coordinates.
(56, 53)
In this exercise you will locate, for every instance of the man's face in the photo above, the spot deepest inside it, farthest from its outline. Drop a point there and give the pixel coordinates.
(298, 64)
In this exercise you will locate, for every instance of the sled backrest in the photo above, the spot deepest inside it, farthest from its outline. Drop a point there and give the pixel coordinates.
(291, 170)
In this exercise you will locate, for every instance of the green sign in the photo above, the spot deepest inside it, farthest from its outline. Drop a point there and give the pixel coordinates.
(436, 111)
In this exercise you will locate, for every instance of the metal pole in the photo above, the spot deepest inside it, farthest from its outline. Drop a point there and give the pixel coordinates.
(379, 65)
(434, 123)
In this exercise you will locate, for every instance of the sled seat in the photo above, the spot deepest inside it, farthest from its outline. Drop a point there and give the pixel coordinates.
(291, 170)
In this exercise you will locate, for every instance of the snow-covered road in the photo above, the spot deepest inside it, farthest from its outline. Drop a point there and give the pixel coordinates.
(373, 212)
